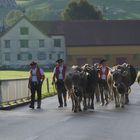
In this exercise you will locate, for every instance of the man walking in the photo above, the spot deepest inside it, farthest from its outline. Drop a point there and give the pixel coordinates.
(36, 79)
(102, 74)
(58, 79)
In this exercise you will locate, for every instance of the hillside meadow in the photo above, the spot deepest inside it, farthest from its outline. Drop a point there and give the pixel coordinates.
(112, 9)
(52, 9)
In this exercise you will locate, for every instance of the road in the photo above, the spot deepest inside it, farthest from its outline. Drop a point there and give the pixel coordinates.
(51, 123)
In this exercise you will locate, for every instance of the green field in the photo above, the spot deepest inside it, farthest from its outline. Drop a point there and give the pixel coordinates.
(8, 74)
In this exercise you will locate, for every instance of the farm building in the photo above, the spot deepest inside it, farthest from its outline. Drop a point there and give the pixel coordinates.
(77, 42)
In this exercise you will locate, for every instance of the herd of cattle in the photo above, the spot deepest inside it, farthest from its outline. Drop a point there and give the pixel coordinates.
(82, 85)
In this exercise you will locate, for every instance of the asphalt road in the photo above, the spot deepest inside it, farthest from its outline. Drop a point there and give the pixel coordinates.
(51, 123)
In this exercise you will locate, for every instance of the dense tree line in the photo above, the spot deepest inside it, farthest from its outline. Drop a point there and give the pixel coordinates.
(81, 10)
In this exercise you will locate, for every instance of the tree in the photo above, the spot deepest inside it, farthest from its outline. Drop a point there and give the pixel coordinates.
(13, 16)
(81, 10)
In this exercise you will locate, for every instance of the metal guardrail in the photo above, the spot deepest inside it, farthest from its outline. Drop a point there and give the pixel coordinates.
(13, 90)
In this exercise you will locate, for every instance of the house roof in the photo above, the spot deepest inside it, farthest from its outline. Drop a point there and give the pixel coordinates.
(91, 32)
(50, 27)
(94, 32)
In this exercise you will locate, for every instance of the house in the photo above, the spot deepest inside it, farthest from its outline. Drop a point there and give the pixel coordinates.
(23, 43)
(89, 41)
(118, 41)
(77, 42)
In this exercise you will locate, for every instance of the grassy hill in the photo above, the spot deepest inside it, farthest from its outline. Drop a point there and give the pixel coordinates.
(119, 9)
(51, 9)
(113, 9)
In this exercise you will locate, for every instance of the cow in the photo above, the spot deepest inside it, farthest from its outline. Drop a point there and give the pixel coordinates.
(138, 78)
(120, 80)
(97, 90)
(81, 83)
(72, 84)
(90, 84)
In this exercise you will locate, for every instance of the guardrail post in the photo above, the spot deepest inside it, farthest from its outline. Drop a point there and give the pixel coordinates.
(47, 80)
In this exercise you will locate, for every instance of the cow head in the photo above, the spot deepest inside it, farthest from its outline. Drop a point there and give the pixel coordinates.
(91, 72)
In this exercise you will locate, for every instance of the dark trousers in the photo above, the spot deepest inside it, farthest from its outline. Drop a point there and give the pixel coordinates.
(61, 91)
(103, 90)
(36, 87)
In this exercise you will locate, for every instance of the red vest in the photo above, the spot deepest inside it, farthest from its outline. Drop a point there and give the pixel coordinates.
(100, 72)
(57, 72)
(38, 74)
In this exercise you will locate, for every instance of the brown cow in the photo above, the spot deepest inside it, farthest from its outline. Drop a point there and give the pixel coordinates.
(138, 78)
(119, 80)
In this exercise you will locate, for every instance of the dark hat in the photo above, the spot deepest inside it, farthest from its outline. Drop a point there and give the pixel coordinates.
(59, 60)
(103, 60)
(33, 63)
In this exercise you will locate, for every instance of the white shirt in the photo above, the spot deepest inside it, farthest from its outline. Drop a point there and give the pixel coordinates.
(60, 75)
(103, 75)
(34, 77)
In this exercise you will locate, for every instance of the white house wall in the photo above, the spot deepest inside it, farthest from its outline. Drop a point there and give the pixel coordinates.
(62, 50)
(33, 37)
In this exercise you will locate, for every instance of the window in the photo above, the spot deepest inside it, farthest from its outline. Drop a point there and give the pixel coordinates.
(69, 57)
(24, 56)
(24, 31)
(7, 57)
(41, 56)
(7, 43)
(57, 42)
(29, 56)
(41, 43)
(24, 44)
(18, 57)
(58, 56)
(50, 56)
(135, 56)
(107, 56)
